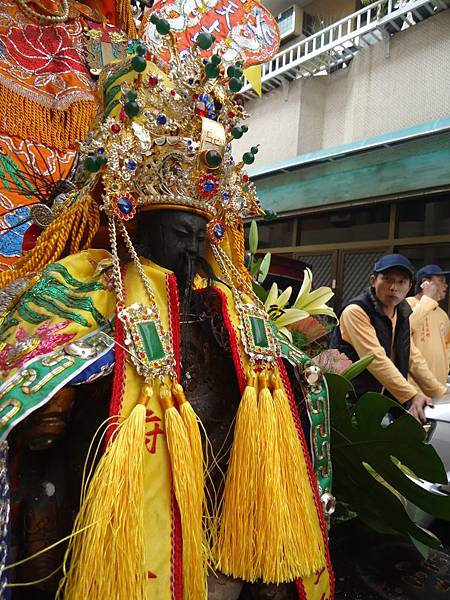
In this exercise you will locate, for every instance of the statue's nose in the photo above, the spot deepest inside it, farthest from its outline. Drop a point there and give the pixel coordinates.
(193, 248)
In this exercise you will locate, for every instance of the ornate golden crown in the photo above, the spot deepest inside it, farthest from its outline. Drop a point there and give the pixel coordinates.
(164, 139)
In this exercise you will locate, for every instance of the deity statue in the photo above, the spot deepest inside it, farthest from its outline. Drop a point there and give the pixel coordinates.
(145, 393)
(51, 54)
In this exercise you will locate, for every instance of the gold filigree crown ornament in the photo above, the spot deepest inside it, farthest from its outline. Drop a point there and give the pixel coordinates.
(164, 140)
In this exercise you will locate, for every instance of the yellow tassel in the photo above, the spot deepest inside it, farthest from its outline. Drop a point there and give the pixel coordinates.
(125, 18)
(272, 517)
(304, 547)
(238, 251)
(236, 546)
(27, 119)
(190, 421)
(107, 559)
(186, 486)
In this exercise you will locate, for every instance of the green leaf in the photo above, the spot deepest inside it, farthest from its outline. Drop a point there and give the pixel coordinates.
(253, 238)
(422, 548)
(255, 266)
(259, 291)
(357, 367)
(264, 267)
(359, 439)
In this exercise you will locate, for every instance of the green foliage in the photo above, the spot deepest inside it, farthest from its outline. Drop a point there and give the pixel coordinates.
(264, 267)
(369, 460)
(357, 367)
(253, 238)
(258, 267)
(259, 291)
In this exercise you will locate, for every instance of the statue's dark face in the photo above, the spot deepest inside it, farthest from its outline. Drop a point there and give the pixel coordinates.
(172, 239)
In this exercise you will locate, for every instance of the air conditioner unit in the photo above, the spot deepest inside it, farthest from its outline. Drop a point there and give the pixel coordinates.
(290, 22)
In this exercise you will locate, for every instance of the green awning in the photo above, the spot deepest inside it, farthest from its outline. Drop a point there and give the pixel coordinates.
(403, 161)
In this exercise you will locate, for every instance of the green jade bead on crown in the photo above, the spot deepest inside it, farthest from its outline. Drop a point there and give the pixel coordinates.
(141, 50)
(212, 71)
(131, 109)
(205, 40)
(237, 132)
(92, 164)
(213, 159)
(139, 63)
(163, 27)
(235, 84)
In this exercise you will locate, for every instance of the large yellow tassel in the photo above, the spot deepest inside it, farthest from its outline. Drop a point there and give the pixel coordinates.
(272, 517)
(191, 424)
(190, 421)
(106, 552)
(236, 531)
(304, 548)
(186, 486)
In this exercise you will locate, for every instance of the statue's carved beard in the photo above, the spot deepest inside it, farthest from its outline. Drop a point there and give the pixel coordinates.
(193, 306)
(194, 264)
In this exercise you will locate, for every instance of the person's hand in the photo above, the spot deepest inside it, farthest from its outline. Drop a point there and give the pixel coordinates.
(418, 403)
(430, 289)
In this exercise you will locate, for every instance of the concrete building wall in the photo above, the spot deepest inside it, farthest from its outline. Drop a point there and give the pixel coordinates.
(375, 95)
(274, 124)
(331, 9)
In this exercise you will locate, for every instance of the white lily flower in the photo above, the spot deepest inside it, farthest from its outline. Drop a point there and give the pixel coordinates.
(307, 304)
(315, 302)
(275, 306)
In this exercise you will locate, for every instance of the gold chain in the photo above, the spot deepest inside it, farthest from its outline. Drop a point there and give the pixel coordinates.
(61, 17)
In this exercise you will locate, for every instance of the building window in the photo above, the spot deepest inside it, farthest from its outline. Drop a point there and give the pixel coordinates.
(277, 234)
(345, 226)
(417, 218)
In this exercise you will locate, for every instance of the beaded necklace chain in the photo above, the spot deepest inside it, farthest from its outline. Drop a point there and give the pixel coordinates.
(61, 17)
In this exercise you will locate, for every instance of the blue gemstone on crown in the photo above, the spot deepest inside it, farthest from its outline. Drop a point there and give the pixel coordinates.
(125, 205)
(161, 119)
(218, 231)
(132, 165)
(209, 186)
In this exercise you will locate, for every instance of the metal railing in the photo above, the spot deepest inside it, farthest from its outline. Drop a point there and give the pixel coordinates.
(336, 44)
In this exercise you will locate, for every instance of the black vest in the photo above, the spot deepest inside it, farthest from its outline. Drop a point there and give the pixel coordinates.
(383, 327)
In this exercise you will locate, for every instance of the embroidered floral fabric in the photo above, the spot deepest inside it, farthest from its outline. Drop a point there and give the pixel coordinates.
(47, 101)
